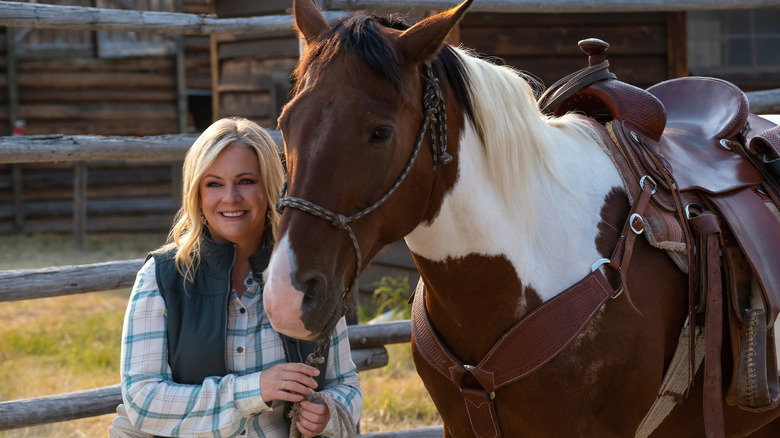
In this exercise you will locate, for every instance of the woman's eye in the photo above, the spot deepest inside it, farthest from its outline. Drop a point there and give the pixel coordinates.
(380, 135)
(247, 181)
(212, 184)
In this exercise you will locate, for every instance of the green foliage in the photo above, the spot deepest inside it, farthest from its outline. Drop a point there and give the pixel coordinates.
(392, 294)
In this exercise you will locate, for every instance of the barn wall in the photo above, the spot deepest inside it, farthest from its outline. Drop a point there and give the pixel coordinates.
(645, 48)
(81, 82)
(252, 72)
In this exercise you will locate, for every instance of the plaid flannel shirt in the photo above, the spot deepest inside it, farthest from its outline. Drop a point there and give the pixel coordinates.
(222, 406)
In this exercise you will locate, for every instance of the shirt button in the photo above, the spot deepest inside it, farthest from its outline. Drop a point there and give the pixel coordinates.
(240, 349)
(242, 310)
(249, 281)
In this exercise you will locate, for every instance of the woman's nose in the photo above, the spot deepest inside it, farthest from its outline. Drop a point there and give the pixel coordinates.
(233, 193)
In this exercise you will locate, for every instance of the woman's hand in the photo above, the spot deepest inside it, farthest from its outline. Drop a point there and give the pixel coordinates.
(313, 418)
(288, 382)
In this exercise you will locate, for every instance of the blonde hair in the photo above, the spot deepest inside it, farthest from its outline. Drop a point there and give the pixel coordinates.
(187, 230)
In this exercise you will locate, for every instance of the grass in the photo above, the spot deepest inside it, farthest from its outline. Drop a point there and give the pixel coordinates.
(70, 343)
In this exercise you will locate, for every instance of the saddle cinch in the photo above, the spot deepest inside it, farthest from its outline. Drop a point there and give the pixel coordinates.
(703, 175)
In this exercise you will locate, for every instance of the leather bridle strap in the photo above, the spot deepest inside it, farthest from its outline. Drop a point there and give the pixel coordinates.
(541, 335)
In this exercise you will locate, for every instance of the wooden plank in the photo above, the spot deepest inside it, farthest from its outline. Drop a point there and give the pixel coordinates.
(250, 105)
(74, 17)
(149, 65)
(27, 284)
(130, 224)
(243, 8)
(251, 74)
(62, 148)
(677, 45)
(149, 127)
(47, 96)
(367, 336)
(60, 407)
(269, 48)
(487, 19)
(562, 40)
(558, 5)
(109, 80)
(423, 432)
(124, 205)
(100, 401)
(31, 149)
(98, 111)
(764, 102)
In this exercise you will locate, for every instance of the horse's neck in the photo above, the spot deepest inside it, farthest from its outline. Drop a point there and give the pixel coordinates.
(550, 243)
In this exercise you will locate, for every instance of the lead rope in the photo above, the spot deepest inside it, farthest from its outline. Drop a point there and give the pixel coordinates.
(344, 422)
(340, 416)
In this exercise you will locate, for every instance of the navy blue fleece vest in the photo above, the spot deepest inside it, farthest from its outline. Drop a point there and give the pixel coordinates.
(197, 312)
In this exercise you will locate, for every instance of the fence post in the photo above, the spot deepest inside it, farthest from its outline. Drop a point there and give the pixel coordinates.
(79, 203)
(17, 180)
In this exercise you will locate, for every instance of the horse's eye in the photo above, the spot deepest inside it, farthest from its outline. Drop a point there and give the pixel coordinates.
(381, 134)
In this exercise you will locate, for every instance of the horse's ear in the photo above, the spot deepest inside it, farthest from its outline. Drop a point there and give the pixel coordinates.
(423, 41)
(309, 20)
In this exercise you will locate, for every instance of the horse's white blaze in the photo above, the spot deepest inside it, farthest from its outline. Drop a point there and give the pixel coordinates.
(282, 301)
(560, 251)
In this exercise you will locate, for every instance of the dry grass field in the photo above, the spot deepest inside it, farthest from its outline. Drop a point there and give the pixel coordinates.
(71, 343)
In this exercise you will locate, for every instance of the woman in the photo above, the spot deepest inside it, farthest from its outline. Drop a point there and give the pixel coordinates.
(199, 355)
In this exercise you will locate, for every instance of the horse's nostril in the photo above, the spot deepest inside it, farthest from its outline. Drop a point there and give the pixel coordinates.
(314, 283)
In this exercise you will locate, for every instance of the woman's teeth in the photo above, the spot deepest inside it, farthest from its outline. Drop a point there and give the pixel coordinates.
(233, 214)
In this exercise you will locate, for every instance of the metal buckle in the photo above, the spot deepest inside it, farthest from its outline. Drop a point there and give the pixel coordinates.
(642, 183)
(597, 264)
(634, 217)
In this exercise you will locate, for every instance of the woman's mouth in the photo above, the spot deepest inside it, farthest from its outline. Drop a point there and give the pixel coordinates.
(233, 214)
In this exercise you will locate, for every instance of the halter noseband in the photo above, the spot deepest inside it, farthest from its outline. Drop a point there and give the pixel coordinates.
(433, 114)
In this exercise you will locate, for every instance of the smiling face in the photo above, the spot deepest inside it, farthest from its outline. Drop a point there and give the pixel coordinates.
(232, 197)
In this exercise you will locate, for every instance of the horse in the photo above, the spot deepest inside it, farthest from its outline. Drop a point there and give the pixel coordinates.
(504, 209)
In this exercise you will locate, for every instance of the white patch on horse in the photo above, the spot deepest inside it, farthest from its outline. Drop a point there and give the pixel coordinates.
(282, 301)
(474, 218)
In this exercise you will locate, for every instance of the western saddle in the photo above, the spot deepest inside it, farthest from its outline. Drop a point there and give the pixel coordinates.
(703, 175)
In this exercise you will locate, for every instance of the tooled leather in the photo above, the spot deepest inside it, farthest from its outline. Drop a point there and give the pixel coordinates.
(541, 335)
(623, 102)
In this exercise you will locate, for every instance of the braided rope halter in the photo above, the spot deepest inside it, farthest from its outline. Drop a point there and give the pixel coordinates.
(435, 116)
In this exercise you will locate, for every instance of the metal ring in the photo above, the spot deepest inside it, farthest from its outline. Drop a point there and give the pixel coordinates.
(597, 264)
(691, 214)
(642, 183)
(724, 143)
(284, 385)
(631, 220)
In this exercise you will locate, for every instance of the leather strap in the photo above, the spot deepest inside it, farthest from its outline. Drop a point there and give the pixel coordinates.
(542, 335)
(756, 230)
(706, 229)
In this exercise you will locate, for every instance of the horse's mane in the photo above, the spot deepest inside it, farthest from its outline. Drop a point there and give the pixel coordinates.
(498, 100)
(357, 34)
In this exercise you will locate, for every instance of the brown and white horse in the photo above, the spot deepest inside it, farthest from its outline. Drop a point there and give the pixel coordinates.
(502, 208)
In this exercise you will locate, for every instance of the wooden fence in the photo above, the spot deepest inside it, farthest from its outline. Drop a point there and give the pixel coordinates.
(367, 341)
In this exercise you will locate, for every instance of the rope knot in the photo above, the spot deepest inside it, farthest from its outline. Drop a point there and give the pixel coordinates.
(339, 220)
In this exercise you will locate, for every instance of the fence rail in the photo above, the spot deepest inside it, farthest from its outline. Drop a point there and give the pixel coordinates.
(367, 341)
